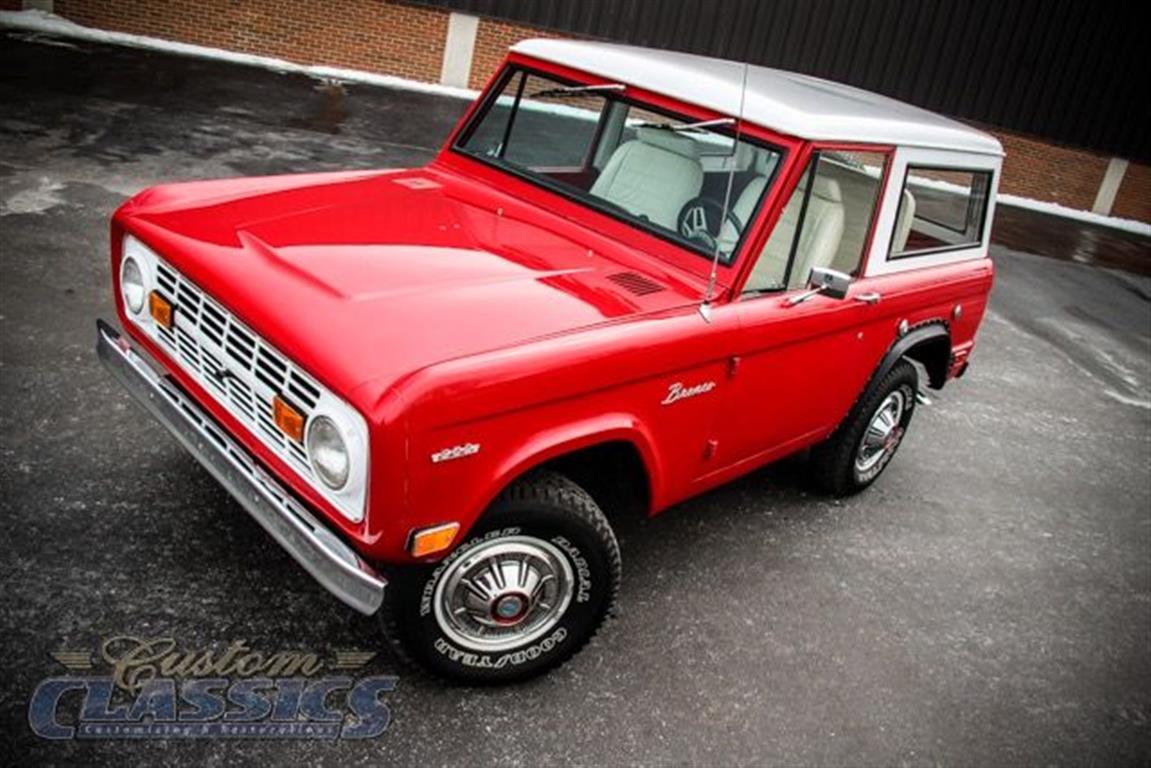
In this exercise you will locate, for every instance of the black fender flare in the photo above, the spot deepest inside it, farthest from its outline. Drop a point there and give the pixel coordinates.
(932, 335)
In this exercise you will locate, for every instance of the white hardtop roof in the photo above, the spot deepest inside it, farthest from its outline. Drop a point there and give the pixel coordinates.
(798, 105)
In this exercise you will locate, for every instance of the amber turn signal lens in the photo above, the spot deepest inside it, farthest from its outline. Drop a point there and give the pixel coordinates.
(161, 309)
(288, 419)
(432, 540)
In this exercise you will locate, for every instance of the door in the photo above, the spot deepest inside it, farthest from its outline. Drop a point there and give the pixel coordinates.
(801, 360)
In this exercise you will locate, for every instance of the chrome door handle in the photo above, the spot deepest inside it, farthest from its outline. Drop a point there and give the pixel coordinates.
(868, 298)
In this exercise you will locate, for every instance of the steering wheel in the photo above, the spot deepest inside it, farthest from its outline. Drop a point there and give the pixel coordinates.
(701, 219)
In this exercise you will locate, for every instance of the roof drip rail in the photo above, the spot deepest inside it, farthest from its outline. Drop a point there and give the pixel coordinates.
(576, 90)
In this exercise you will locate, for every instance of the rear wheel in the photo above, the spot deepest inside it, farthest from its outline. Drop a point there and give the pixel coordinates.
(863, 446)
(526, 591)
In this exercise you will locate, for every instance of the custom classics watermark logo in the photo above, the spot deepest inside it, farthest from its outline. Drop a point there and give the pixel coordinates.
(677, 391)
(151, 688)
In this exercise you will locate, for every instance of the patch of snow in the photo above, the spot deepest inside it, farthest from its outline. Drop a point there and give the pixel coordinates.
(38, 199)
(37, 37)
(1055, 209)
(41, 21)
(1127, 400)
(1118, 368)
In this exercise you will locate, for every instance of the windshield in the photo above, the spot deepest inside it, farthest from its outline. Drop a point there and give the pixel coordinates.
(652, 169)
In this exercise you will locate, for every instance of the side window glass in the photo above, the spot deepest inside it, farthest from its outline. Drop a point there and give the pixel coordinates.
(826, 222)
(940, 209)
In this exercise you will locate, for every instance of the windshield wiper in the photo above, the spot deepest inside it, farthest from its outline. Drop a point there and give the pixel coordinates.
(687, 127)
(575, 90)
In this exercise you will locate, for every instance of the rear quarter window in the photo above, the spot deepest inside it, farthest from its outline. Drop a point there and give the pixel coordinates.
(940, 209)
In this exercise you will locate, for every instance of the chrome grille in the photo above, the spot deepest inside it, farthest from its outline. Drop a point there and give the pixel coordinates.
(234, 364)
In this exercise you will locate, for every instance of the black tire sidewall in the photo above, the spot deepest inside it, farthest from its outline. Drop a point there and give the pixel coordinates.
(594, 563)
(906, 383)
(833, 462)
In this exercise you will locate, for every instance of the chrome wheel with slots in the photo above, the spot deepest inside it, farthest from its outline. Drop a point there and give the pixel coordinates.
(504, 593)
(864, 444)
(530, 586)
(883, 433)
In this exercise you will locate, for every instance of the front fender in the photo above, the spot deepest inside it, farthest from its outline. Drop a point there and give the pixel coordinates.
(505, 448)
(549, 444)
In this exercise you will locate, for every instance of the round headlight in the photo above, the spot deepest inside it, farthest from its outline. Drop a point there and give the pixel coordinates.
(132, 285)
(328, 452)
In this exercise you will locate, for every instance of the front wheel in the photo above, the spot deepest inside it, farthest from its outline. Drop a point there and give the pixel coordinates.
(526, 591)
(858, 452)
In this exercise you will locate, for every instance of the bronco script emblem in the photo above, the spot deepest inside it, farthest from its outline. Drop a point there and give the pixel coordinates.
(678, 391)
(458, 452)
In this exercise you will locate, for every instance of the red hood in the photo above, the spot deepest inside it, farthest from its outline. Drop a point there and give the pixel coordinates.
(372, 276)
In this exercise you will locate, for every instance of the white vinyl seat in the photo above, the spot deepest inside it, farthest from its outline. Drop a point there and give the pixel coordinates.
(818, 244)
(903, 224)
(652, 176)
(744, 208)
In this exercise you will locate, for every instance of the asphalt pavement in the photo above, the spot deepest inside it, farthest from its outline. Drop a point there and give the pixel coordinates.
(988, 602)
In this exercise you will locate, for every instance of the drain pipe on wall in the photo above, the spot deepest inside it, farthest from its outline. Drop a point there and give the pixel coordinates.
(459, 48)
(1109, 187)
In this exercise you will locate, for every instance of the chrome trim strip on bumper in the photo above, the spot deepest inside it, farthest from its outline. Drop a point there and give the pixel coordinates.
(323, 554)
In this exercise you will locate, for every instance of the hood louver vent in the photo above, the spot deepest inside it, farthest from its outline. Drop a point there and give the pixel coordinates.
(635, 283)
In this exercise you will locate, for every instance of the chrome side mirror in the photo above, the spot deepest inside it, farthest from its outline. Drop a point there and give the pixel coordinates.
(829, 282)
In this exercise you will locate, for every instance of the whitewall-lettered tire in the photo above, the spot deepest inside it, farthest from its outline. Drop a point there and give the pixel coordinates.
(531, 585)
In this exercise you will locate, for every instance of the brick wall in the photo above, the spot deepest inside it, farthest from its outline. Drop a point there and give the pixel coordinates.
(1134, 198)
(388, 37)
(1070, 177)
(374, 35)
(493, 39)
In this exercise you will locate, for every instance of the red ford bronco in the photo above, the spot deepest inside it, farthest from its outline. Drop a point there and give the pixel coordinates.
(629, 276)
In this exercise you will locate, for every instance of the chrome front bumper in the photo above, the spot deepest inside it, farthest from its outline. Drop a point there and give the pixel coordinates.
(323, 554)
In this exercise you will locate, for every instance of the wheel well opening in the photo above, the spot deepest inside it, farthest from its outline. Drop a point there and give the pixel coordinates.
(612, 473)
(935, 356)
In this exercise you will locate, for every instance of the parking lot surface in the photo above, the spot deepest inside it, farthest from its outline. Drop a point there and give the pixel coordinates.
(988, 602)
